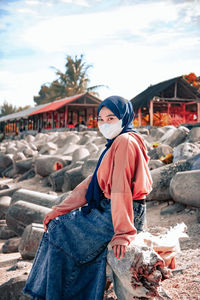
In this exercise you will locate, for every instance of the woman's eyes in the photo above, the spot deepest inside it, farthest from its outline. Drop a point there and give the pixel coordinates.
(108, 119)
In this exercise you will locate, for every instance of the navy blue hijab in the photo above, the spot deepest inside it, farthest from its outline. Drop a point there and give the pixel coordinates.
(123, 110)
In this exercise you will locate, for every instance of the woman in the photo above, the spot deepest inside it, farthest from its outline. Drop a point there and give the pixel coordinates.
(70, 263)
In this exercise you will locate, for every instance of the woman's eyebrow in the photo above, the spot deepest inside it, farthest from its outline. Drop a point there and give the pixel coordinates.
(111, 115)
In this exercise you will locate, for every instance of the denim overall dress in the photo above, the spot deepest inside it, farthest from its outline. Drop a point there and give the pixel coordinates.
(70, 263)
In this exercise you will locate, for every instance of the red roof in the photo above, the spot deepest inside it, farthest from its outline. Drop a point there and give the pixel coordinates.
(56, 104)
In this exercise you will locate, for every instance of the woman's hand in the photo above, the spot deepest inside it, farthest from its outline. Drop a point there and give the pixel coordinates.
(50, 216)
(119, 251)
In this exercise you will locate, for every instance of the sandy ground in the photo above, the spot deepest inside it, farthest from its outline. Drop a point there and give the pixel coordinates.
(185, 282)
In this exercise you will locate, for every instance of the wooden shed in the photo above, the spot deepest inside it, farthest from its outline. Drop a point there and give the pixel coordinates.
(171, 102)
(66, 113)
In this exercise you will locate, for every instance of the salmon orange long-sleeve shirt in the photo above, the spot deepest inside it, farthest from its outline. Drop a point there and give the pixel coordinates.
(124, 177)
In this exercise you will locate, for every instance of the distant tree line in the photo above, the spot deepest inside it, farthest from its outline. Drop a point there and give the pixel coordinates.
(7, 109)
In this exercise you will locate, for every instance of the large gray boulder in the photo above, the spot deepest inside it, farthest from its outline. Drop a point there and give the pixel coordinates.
(30, 240)
(155, 163)
(5, 232)
(20, 145)
(4, 205)
(33, 146)
(167, 127)
(27, 175)
(80, 154)
(91, 147)
(41, 138)
(185, 188)
(59, 140)
(48, 148)
(85, 139)
(22, 213)
(22, 166)
(47, 164)
(12, 289)
(72, 138)
(175, 136)
(161, 150)
(19, 156)
(156, 133)
(144, 131)
(29, 138)
(9, 172)
(100, 140)
(169, 131)
(5, 161)
(162, 177)
(43, 199)
(72, 178)
(194, 135)
(67, 149)
(131, 273)
(95, 155)
(89, 167)
(11, 148)
(11, 245)
(8, 191)
(195, 162)
(28, 152)
(56, 179)
(185, 151)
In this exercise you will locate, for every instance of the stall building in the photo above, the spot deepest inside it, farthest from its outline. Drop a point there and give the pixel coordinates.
(172, 102)
(65, 113)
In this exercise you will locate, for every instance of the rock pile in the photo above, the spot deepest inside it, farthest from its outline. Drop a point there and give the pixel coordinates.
(64, 159)
(51, 156)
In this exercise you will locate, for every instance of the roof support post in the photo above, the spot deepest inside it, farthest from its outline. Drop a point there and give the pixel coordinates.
(183, 110)
(168, 112)
(151, 112)
(93, 116)
(140, 116)
(86, 115)
(53, 118)
(41, 121)
(175, 90)
(66, 116)
(58, 116)
(198, 111)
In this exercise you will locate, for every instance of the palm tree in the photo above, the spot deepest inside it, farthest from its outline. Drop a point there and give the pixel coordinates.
(73, 82)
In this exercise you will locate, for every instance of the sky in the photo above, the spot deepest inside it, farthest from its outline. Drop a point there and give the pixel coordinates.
(131, 44)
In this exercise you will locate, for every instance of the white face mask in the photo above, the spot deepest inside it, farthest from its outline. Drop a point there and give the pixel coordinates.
(110, 131)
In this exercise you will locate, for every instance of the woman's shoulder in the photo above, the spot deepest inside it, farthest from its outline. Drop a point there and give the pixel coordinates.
(128, 137)
(129, 140)
(124, 142)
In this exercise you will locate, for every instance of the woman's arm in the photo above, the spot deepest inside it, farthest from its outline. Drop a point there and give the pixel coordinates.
(115, 175)
(125, 157)
(75, 200)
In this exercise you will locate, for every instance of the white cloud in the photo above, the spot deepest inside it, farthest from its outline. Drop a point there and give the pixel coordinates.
(192, 10)
(59, 32)
(56, 2)
(32, 2)
(77, 2)
(25, 11)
